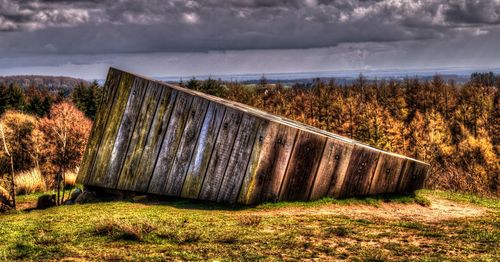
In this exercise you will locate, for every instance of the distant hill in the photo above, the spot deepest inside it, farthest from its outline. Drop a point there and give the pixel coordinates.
(50, 82)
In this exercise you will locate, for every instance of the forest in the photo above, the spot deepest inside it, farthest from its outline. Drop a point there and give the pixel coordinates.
(453, 127)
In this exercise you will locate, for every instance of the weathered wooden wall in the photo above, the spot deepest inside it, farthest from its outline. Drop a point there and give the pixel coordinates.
(157, 138)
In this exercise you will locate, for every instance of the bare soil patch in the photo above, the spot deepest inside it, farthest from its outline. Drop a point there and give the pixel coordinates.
(439, 210)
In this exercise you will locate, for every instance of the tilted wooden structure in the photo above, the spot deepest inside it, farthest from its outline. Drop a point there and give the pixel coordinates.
(156, 138)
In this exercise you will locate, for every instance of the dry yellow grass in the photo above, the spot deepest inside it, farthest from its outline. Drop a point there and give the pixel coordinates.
(29, 182)
(70, 177)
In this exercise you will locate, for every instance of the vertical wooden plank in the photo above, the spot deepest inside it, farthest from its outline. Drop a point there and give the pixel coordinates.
(111, 129)
(185, 150)
(124, 135)
(220, 155)
(268, 163)
(303, 166)
(386, 176)
(161, 119)
(359, 173)
(170, 143)
(128, 175)
(204, 146)
(109, 90)
(238, 162)
(413, 176)
(332, 169)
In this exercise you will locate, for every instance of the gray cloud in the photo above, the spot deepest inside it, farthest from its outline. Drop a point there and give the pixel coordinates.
(180, 37)
(83, 27)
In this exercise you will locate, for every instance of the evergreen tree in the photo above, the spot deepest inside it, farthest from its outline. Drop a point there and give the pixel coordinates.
(12, 98)
(193, 84)
(87, 98)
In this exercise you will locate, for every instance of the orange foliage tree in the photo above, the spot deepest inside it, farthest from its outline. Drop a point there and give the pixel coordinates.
(66, 130)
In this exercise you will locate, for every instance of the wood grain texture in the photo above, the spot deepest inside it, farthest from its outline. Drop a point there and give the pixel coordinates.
(144, 170)
(175, 178)
(170, 144)
(332, 169)
(203, 150)
(125, 131)
(359, 173)
(128, 175)
(302, 168)
(238, 162)
(221, 154)
(386, 176)
(111, 130)
(267, 164)
(413, 176)
(109, 91)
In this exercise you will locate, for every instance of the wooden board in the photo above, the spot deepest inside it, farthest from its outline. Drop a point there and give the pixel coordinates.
(111, 130)
(143, 173)
(203, 150)
(128, 175)
(238, 162)
(413, 176)
(360, 170)
(175, 178)
(267, 164)
(386, 176)
(221, 154)
(170, 143)
(101, 118)
(332, 169)
(124, 135)
(302, 168)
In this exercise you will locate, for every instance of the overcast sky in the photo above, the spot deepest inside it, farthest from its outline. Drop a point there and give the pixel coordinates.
(173, 38)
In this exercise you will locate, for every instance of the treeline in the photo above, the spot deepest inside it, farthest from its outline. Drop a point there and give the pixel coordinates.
(453, 127)
(38, 100)
(52, 83)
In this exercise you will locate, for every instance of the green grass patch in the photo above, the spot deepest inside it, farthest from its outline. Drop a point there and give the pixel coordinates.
(489, 202)
(190, 230)
(369, 200)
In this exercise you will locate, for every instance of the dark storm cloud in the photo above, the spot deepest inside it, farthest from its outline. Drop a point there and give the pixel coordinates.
(83, 27)
(474, 12)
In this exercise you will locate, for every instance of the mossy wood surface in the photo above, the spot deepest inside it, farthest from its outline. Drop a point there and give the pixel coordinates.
(153, 137)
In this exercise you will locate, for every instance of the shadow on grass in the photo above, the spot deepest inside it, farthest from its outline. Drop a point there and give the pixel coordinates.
(182, 203)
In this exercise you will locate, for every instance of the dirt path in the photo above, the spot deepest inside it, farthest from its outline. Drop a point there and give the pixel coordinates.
(439, 210)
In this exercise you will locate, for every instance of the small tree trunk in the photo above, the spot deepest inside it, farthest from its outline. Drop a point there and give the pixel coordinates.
(12, 183)
(63, 185)
(58, 187)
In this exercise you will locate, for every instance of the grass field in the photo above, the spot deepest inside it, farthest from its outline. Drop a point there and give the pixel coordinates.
(431, 226)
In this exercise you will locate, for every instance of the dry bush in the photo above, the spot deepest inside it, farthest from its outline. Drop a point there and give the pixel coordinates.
(20, 140)
(29, 182)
